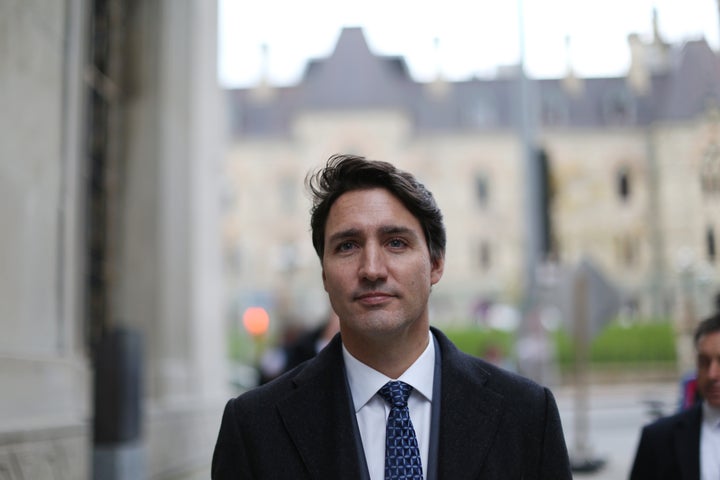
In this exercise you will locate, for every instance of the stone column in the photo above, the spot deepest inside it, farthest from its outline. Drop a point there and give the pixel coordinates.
(170, 272)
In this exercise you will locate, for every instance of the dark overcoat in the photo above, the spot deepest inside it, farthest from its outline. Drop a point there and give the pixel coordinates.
(493, 425)
(669, 448)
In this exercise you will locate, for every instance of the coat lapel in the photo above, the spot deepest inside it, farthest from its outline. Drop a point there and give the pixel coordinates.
(469, 418)
(319, 417)
(687, 443)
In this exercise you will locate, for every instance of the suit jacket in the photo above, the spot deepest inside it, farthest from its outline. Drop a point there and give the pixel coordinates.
(669, 448)
(493, 425)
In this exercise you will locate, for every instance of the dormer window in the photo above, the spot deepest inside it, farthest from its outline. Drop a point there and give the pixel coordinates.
(480, 112)
(554, 110)
(619, 108)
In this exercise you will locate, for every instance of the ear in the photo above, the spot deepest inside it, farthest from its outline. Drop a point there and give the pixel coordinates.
(436, 270)
(324, 279)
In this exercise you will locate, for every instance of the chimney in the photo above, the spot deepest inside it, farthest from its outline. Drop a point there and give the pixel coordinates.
(264, 92)
(439, 87)
(571, 83)
(638, 76)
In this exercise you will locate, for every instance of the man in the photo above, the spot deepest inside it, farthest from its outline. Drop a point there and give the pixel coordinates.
(284, 358)
(686, 446)
(389, 397)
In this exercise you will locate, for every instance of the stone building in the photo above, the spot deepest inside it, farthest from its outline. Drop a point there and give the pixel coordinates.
(632, 173)
(111, 132)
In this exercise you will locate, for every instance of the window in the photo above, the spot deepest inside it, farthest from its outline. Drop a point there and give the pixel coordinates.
(624, 186)
(710, 171)
(627, 250)
(710, 244)
(619, 107)
(480, 112)
(485, 255)
(482, 190)
(554, 110)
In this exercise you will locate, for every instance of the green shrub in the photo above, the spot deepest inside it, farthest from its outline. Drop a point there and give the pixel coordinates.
(564, 349)
(239, 346)
(638, 343)
(475, 340)
(641, 343)
(243, 348)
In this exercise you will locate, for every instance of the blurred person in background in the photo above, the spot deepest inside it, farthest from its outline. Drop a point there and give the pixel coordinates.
(292, 353)
(689, 393)
(390, 397)
(686, 446)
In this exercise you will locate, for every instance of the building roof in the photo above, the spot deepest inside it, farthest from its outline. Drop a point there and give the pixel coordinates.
(353, 77)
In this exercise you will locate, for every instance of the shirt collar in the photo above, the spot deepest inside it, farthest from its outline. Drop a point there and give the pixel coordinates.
(711, 416)
(365, 381)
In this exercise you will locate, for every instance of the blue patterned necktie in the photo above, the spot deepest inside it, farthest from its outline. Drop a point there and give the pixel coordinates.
(402, 455)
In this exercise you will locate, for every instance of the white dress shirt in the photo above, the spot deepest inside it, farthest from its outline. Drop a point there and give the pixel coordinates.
(372, 411)
(710, 443)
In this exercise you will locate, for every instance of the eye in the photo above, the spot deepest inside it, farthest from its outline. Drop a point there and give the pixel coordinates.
(397, 243)
(345, 246)
(703, 361)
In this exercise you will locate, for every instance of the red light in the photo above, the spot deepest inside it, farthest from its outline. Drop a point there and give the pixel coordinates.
(256, 321)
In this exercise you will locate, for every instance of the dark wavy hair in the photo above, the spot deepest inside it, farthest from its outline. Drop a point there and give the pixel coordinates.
(345, 173)
(709, 325)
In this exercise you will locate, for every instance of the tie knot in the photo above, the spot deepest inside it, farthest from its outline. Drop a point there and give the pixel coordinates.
(396, 393)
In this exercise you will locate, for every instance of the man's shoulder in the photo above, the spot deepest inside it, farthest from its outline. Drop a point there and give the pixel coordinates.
(266, 393)
(669, 423)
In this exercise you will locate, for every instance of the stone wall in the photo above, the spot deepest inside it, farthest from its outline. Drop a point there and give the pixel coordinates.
(44, 405)
(165, 250)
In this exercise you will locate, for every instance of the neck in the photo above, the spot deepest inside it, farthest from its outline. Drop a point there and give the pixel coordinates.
(390, 355)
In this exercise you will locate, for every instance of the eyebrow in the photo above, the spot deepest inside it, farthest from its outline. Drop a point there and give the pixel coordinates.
(343, 234)
(397, 230)
(384, 230)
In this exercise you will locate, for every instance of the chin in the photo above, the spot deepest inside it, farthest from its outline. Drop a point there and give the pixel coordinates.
(712, 397)
(381, 324)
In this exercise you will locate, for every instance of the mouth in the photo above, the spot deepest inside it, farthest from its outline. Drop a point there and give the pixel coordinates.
(712, 392)
(373, 298)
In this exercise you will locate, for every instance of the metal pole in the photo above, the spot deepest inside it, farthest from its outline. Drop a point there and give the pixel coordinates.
(581, 457)
(581, 404)
(526, 119)
(656, 280)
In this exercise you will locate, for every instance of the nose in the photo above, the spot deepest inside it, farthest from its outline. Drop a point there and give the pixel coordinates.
(373, 267)
(714, 369)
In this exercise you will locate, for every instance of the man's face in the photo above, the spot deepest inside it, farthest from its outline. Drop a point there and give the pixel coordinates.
(376, 266)
(708, 368)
